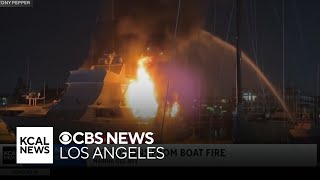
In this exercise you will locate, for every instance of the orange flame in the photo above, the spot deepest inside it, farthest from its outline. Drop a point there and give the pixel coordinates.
(141, 95)
(174, 109)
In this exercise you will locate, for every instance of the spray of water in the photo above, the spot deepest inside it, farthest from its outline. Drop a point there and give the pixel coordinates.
(252, 65)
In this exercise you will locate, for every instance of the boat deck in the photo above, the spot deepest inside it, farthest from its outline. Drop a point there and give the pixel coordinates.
(23, 110)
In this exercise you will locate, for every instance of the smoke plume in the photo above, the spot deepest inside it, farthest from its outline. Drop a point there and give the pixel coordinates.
(130, 26)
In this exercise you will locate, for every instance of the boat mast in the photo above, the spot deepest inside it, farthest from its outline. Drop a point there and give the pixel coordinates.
(44, 93)
(57, 90)
(238, 104)
(175, 55)
(113, 25)
(28, 84)
(318, 113)
(28, 76)
(283, 61)
(238, 65)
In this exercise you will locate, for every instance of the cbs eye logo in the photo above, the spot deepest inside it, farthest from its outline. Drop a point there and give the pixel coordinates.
(65, 138)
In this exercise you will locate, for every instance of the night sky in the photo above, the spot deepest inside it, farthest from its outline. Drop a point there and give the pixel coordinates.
(55, 35)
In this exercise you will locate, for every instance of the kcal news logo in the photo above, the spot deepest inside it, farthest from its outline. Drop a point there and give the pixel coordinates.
(34, 145)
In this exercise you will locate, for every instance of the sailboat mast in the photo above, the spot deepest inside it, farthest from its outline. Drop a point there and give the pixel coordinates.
(318, 113)
(238, 66)
(28, 69)
(168, 81)
(113, 21)
(44, 92)
(27, 74)
(283, 60)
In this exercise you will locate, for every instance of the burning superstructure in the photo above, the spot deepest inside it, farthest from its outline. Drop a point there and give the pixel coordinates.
(106, 94)
(141, 93)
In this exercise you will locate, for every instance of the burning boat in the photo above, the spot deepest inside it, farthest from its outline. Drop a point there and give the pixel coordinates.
(102, 98)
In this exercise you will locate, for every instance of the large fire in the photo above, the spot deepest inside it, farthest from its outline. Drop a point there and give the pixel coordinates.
(141, 94)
